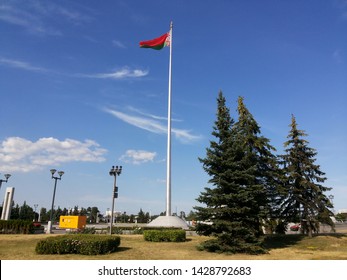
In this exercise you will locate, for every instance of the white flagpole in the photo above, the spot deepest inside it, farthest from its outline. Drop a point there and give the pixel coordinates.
(168, 163)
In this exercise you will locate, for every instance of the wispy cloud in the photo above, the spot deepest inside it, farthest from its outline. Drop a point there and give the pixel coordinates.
(123, 73)
(138, 121)
(14, 16)
(21, 65)
(151, 115)
(118, 44)
(25, 18)
(138, 156)
(36, 16)
(341, 5)
(49, 9)
(152, 125)
(22, 155)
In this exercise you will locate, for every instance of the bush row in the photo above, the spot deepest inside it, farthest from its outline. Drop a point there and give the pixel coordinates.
(177, 235)
(161, 228)
(84, 244)
(123, 229)
(16, 227)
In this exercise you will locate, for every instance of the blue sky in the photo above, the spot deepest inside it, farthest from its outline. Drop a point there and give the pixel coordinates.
(79, 95)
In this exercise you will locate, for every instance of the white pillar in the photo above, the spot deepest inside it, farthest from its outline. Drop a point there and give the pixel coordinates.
(7, 206)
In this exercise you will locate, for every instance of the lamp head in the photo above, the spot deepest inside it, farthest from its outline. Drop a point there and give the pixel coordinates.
(7, 176)
(119, 170)
(112, 171)
(61, 173)
(53, 171)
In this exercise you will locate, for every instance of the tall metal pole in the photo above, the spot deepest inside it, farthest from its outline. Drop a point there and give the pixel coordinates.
(114, 172)
(60, 173)
(113, 197)
(168, 163)
(55, 187)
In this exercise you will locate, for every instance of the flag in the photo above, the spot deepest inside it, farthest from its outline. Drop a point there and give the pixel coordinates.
(157, 43)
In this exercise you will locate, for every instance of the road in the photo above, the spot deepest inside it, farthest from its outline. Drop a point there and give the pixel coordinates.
(339, 227)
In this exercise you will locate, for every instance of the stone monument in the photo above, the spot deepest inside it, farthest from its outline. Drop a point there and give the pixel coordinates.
(7, 206)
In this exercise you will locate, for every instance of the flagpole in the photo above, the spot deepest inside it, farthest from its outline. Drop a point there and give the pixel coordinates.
(168, 163)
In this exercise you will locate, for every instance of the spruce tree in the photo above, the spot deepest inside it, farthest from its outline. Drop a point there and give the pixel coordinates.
(261, 173)
(216, 167)
(238, 164)
(305, 200)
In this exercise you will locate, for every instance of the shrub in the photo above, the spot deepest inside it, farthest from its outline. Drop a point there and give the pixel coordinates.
(16, 227)
(137, 230)
(85, 230)
(281, 228)
(217, 246)
(116, 230)
(177, 235)
(84, 244)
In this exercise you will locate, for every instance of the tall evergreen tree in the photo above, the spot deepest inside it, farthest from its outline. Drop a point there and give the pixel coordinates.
(75, 211)
(24, 212)
(15, 212)
(261, 175)
(44, 217)
(305, 199)
(238, 164)
(142, 217)
(94, 214)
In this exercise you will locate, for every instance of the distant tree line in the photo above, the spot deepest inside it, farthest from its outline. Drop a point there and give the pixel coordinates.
(26, 212)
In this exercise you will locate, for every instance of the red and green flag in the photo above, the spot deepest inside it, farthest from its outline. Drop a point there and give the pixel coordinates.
(157, 43)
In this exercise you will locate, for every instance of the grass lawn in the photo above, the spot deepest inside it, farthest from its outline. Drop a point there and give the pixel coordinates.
(133, 247)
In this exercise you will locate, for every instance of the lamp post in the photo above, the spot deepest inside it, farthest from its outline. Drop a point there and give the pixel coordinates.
(60, 173)
(114, 172)
(2, 180)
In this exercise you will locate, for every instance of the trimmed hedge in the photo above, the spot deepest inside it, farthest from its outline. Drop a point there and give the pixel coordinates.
(161, 228)
(16, 227)
(177, 235)
(84, 244)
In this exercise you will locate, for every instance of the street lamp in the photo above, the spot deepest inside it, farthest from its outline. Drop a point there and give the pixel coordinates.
(60, 173)
(114, 172)
(2, 180)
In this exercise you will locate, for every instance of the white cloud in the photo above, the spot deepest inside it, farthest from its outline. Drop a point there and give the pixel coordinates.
(140, 122)
(152, 124)
(150, 115)
(118, 44)
(27, 18)
(40, 18)
(12, 16)
(123, 73)
(21, 65)
(341, 5)
(22, 155)
(138, 156)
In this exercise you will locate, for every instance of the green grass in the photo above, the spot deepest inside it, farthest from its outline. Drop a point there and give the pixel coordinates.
(133, 247)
